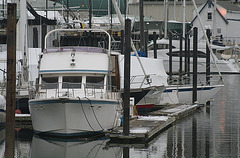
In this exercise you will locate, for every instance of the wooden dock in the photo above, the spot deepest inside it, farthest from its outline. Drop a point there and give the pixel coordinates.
(23, 121)
(144, 128)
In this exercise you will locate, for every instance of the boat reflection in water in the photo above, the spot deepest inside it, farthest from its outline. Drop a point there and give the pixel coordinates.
(2, 141)
(69, 148)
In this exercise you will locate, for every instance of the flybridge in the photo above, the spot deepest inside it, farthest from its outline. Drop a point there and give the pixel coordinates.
(74, 49)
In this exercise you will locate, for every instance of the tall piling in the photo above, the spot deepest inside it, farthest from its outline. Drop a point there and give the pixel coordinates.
(126, 95)
(208, 60)
(141, 25)
(146, 42)
(180, 58)
(122, 42)
(35, 37)
(195, 54)
(44, 32)
(11, 79)
(185, 53)
(170, 57)
(188, 56)
(155, 44)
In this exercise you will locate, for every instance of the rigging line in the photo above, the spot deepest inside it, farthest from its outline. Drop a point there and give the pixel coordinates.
(94, 113)
(85, 114)
(207, 41)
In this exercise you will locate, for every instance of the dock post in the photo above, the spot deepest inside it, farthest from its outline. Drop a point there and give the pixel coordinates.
(44, 32)
(35, 37)
(170, 58)
(146, 42)
(208, 60)
(141, 25)
(188, 57)
(90, 23)
(126, 94)
(180, 59)
(185, 53)
(122, 41)
(155, 44)
(11, 79)
(195, 54)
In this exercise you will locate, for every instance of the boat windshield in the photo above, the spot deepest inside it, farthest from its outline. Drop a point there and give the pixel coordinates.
(49, 82)
(72, 82)
(96, 82)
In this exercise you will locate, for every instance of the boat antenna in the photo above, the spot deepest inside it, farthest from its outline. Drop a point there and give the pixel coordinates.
(207, 41)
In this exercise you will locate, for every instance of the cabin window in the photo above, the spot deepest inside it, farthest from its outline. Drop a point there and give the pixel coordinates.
(49, 82)
(95, 82)
(209, 16)
(72, 82)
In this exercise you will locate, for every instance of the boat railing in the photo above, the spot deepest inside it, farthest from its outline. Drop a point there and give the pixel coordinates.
(75, 90)
(101, 91)
(141, 79)
(187, 80)
(79, 30)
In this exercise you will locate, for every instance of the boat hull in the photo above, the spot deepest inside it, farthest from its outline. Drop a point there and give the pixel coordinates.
(72, 116)
(147, 98)
(183, 94)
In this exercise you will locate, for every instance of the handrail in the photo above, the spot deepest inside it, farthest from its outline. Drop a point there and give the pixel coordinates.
(72, 89)
(82, 30)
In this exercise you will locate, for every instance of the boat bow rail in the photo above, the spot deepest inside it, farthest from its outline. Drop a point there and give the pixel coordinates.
(54, 90)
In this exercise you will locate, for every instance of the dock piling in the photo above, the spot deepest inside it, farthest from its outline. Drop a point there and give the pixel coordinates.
(195, 55)
(170, 57)
(155, 44)
(11, 79)
(208, 60)
(126, 95)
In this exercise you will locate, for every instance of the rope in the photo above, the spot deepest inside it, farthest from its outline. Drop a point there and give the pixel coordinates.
(85, 114)
(94, 113)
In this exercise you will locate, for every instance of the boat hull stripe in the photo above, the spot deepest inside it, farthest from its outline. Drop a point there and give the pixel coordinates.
(188, 89)
(70, 101)
(74, 70)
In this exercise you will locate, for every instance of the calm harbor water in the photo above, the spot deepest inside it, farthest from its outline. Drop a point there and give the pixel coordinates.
(213, 131)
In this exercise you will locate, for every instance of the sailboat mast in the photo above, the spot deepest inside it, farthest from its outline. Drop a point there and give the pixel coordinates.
(141, 25)
(174, 10)
(184, 18)
(23, 38)
(90, 14)
(206, 38)
(165, 17)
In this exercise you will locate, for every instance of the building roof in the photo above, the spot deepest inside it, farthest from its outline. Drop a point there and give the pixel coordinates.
(228, 5)
(209, 1)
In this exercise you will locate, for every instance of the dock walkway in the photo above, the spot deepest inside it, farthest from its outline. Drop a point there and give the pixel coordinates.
(144, 128)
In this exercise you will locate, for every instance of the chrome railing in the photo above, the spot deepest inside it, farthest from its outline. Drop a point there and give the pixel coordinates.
(64, 89)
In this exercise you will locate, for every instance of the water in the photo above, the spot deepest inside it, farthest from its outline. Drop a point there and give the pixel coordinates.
(213, 131)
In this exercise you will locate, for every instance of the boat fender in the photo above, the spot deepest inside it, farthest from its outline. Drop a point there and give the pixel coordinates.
(18, 111)
(118, 123)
